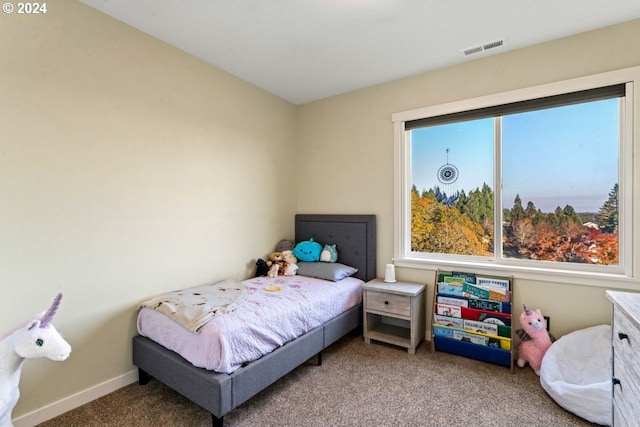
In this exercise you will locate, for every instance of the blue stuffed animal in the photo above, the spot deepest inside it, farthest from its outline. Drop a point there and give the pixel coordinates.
(308, 251)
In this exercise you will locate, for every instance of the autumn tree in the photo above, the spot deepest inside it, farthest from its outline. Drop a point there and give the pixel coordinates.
(464, 224)
(438, 228)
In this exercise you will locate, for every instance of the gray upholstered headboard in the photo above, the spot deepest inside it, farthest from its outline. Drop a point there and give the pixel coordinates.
(353, 235)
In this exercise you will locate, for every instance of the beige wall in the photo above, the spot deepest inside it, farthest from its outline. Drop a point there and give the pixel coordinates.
(126, 168)
(350, 138)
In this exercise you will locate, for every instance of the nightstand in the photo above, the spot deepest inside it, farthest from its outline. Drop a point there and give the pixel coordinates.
(394, 313)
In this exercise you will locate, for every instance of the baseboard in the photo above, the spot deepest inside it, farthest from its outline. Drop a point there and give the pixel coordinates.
(60, 407)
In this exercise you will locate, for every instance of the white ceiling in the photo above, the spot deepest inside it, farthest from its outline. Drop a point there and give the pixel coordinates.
(304, 50)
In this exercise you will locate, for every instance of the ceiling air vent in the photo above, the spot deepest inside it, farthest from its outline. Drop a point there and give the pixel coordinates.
(483, 47)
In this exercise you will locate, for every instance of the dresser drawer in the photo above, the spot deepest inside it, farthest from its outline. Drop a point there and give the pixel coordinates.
(625, 340)
(389, 303)
(618, 417)
(626, 368)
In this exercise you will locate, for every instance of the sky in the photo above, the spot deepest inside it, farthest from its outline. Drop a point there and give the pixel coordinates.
(555, 157)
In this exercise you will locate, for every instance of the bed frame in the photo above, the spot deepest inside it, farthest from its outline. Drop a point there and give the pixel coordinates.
(355, 239)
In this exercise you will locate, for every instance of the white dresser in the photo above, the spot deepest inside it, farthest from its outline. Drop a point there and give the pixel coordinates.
(625, 337)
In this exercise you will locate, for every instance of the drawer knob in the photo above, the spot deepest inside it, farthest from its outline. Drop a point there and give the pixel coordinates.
(623, 336)
(615, 381)
(386, 302)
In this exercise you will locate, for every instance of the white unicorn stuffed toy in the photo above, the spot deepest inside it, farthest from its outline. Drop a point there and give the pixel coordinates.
(38, 338)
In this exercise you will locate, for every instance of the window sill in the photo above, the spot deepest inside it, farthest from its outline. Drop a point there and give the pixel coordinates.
(608, 281)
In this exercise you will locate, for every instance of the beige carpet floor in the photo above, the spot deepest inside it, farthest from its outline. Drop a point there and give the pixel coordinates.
(358, 384)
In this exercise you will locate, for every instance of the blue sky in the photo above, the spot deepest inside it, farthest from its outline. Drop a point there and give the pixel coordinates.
(574, 160)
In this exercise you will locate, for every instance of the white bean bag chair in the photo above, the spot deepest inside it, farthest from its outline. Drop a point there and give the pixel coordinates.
(576, 372)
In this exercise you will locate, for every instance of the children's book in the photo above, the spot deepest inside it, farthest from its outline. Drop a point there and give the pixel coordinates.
(497, 318)
(468, 277)
(484, 304)
(454, 322)
(493, 283)
(460, 335)
(453, 279)
(452, 289)
(477, 326)
(474, 313)
(448, 310)
(460, 302)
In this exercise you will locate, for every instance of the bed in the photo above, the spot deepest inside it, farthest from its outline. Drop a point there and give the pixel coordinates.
(219, 393)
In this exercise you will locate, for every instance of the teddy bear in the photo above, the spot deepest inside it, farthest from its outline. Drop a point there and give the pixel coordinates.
(273, 271)
(291, 263)
(289, 257)
(282, 263)
(275, 264)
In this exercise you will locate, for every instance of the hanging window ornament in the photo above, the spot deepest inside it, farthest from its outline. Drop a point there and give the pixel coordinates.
(448, 175)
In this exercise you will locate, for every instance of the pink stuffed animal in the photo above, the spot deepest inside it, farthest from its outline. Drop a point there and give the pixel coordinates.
(534, 349)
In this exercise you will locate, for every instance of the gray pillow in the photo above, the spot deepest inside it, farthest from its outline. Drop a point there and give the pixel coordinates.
(328, 271)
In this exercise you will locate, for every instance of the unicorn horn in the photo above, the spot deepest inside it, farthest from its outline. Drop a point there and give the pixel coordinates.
(526, 310)
(48, 316)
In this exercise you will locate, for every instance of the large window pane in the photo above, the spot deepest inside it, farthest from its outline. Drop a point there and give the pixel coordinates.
(560, 183)
(559, 169)
(452, 201)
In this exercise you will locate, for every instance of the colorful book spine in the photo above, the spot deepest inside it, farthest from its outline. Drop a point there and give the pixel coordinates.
(453, 279)
(497, 318)
(453, 289)
(460, 302)
(474, 291)
(454, 322)
(493, 283)
(460, 335)
(468, 277)
(504, 331)
(499, 296)
(475, 314)
(477, 326)
(449, 310)
(499, 289)
(501, 343)
(483, 304)
(487, 328)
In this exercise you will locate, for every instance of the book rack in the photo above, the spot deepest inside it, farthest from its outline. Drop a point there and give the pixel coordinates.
(472, 317)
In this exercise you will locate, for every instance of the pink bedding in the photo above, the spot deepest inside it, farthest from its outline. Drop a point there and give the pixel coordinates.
(276, 311)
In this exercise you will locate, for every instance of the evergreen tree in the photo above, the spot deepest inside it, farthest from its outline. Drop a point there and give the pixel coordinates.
(461, 204)
(487, 203)
(530, 211)
(569, 215)
(517, 212)
(506, 215)
(608, 214)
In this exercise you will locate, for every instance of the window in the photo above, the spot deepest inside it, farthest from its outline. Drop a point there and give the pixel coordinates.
(536, 181)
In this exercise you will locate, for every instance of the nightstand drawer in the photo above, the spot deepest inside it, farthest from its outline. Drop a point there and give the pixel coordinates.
(389, 303)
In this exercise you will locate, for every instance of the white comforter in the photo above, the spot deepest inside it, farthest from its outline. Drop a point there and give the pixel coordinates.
(195, 307)
(276, 311)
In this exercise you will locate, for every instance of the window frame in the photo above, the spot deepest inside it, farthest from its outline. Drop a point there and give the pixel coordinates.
(625, 275)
